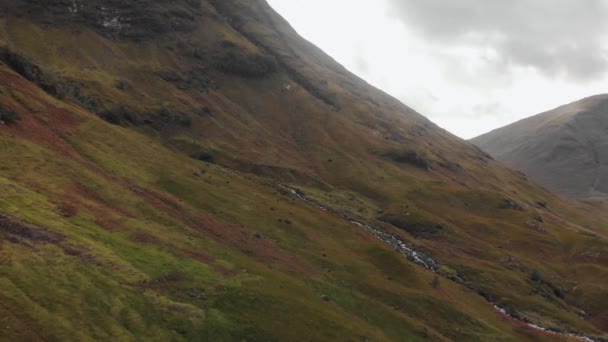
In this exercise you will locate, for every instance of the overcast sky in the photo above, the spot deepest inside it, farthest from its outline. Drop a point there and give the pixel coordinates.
(469, 65)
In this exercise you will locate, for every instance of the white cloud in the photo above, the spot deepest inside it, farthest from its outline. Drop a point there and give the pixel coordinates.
(556, 37)
(467, 72)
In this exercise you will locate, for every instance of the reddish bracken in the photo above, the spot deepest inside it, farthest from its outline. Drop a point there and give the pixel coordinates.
(601, 321)
(44, 127)
(81, 192)
(226, 272)
(260, 248)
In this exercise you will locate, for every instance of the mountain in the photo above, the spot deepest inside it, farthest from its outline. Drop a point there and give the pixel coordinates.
(565, 149)
(195, 170)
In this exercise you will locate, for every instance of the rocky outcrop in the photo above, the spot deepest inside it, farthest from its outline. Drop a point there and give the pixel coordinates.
(137, 19)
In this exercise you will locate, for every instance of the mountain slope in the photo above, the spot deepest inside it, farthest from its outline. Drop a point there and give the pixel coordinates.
(197, 171)
(565, 149)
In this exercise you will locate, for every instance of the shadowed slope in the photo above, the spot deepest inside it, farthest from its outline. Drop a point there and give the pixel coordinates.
(564, 149)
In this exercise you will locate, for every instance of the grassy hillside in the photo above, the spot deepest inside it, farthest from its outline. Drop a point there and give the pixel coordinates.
(225, 180)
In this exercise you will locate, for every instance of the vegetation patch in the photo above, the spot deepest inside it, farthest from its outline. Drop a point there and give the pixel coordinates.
(163, 280)
(160, 119)
(415, 223)
(53, 85)
(164, 117)
(253, 245)
(206, 156)
(408, 157)
(194, 80)
(119, 115)
(8, 116)
(20, 64)
(16, 231)
(259, 265)
(237, 61)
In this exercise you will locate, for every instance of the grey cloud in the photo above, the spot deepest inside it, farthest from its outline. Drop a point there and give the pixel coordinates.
(362, 65)
(492, 108)
(557, 37)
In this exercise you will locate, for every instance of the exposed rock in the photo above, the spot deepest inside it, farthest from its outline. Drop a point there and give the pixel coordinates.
(536, 226)
(196, 294)
(511, 204)
(510, 262)
(136, 19)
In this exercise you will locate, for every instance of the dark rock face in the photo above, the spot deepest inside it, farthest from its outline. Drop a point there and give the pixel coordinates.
(135, 19)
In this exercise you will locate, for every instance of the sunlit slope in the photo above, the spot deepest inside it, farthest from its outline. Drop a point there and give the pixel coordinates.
(169, 219)
(106, 234)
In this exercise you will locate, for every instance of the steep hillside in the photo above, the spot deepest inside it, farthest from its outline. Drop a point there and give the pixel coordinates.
(194, 170)
(565, 149)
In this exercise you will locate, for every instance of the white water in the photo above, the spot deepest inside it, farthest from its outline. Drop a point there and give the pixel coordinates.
(424, 260)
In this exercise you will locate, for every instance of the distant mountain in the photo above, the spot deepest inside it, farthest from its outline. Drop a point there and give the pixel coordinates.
(565, 149)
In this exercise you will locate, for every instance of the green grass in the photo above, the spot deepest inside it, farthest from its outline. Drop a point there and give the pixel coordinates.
(153, 225)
